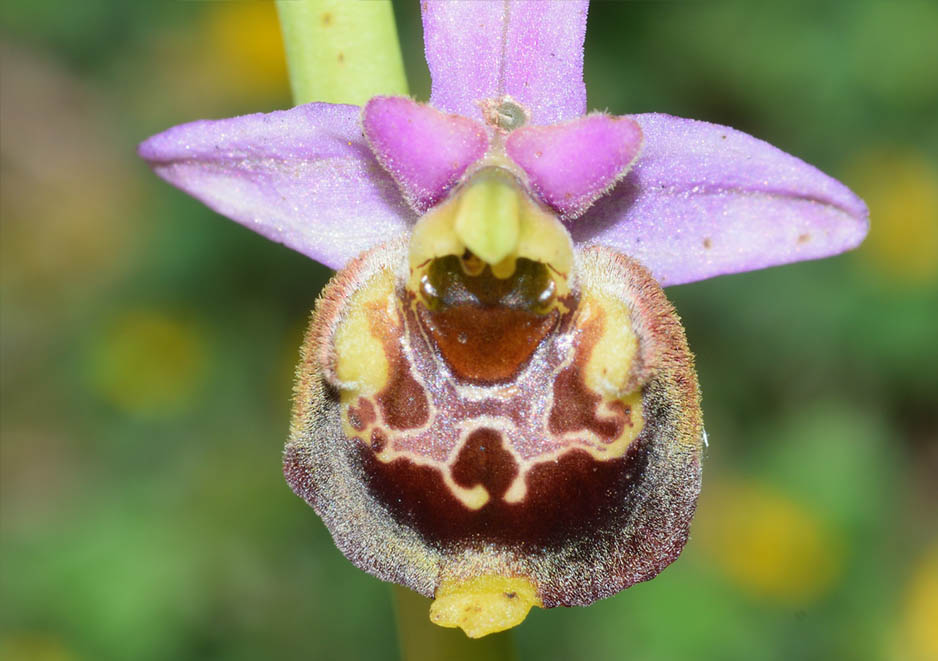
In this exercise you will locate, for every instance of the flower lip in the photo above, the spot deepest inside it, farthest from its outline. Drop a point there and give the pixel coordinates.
(578, 476)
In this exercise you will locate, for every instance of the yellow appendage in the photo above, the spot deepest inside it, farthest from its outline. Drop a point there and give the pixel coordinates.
(484, 604)
(494, 219)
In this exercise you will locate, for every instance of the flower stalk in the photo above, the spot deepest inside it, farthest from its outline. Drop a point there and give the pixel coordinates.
(341, 52)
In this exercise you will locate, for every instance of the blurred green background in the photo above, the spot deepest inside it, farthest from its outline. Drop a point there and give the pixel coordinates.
(148, 348)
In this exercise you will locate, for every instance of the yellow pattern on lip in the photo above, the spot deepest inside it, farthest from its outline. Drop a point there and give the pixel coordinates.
(609, 369)
(488, 218)
(361, 363)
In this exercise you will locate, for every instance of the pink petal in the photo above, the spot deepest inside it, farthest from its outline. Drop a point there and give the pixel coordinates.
(572, 164)
(426, 151)
(529, 50)
(705, 200)
(303, 177)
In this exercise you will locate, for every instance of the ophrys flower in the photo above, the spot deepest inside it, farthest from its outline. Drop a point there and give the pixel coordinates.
(496, 405)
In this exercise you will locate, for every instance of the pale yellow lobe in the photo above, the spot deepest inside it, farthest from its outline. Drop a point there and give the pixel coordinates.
(361, 364)
(542, 238)
(434, 236)
(484, 604)
(610, 365)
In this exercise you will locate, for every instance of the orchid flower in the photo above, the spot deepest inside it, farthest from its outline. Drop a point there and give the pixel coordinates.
(496, 405)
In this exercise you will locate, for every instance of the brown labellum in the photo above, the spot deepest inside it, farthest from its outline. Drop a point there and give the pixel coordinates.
(460, 432)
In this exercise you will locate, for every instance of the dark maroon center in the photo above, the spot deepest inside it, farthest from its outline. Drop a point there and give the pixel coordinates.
(573, 496)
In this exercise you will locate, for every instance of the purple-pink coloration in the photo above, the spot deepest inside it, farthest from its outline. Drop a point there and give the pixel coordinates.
(701, 200)
(531, 51)
(570, 165)
(704, 200)
(303, 177)
(425, 150)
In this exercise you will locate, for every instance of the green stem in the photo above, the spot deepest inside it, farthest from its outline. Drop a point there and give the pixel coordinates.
(339, 51)
(421, 640)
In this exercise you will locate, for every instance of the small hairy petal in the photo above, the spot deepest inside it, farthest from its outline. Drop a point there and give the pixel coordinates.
(570, 165)
(705, 200)
(529, 50)
(425, 150)
(303, 177)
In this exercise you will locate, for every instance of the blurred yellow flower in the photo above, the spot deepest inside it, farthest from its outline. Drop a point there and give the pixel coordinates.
(232, 56)
(69, 203)
(148, 362)
(901, 189)
(246, 36)
(28, 646)
(768, 545)
(918, 633)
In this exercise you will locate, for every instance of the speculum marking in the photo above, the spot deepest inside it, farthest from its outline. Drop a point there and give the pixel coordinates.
(484, 460)
(565, 498)
(576, 406)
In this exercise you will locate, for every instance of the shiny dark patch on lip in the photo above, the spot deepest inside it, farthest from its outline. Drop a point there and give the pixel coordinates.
(574, 497)
(530, 287)
(486, 328)
(486, 344)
